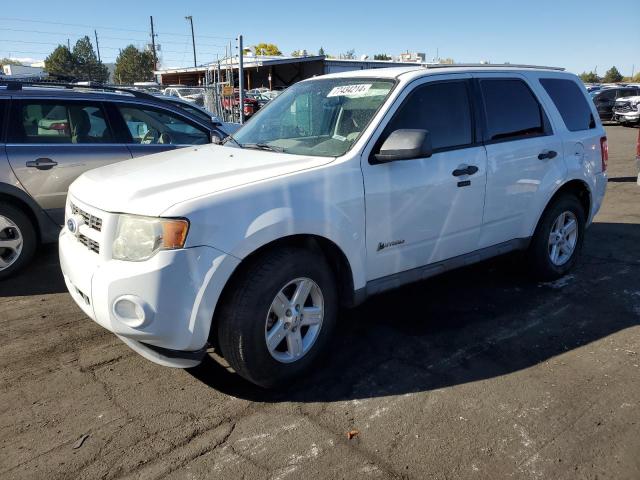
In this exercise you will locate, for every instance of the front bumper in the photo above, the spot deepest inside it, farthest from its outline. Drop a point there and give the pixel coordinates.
(626, 117)
(177, 290)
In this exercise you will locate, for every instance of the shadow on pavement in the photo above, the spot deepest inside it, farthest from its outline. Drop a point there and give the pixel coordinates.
(42, 276)
(477, 323)
(623, 179)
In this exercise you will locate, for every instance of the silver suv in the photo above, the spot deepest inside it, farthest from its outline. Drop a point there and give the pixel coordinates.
(50, 134)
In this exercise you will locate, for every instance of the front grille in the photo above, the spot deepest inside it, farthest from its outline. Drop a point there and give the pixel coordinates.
(91, 220)
(89, 243)
(623, 107)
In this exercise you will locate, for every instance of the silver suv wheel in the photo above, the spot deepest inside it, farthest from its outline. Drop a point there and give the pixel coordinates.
(294, 320)
(10, 242)
(563, 238)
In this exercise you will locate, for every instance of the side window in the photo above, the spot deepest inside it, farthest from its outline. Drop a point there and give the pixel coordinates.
(58, 122)
(627, 92)
(442, 108)
(155, 126)
(512, 111)
(570, 102)
(606, 95)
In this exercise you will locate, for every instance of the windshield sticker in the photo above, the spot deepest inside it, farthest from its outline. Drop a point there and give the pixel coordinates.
(350, 90)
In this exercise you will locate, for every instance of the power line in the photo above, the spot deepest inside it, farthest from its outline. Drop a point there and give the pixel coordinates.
(93, 27)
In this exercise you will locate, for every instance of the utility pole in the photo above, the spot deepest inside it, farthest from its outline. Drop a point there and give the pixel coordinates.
(153, 45)
(68, 44)
(193, 39)
(241, 78)
(95, 32)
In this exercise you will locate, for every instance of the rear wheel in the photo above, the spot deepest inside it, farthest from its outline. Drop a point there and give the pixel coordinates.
(557, 242)
(17, 240)
(278, 317)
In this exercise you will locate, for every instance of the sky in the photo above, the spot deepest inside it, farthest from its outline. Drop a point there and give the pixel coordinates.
(578, 35)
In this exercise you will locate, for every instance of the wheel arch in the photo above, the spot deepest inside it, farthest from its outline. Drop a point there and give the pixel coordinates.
(336, 260)
(578, 188)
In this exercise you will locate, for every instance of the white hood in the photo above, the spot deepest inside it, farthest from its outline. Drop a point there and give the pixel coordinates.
(150, 185)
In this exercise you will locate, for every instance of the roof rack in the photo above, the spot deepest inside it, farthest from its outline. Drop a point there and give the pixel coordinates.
(18, 84)
(491, 65)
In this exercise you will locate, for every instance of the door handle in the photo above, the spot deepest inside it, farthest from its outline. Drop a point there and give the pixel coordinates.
(42, 163)
(464, 170)
(547, 154)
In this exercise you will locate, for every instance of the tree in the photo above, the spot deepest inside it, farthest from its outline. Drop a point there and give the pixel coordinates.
(612, 76)
(589, 77)
(267, 49)
(133, 65)
(87, 65)
(349, 54)
(381, 56)
(321, 51)
(9, 61)
(60, 62)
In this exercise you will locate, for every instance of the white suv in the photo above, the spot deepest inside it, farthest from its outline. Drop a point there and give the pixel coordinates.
(344, 186)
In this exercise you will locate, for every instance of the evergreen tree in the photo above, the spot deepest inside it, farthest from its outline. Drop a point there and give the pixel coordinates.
(60, 62)
(612, 76)
(87, 65)
(133, 65)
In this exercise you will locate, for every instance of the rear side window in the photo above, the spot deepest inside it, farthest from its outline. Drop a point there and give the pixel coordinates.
(570, 102)
(512, 111)
(58, 122)
(443, 109)
(627, 92)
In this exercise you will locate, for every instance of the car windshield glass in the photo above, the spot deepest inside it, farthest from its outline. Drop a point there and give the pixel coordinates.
(185, 92)
(321, 117)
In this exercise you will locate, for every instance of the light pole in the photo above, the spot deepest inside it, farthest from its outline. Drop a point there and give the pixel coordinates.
(193, 39)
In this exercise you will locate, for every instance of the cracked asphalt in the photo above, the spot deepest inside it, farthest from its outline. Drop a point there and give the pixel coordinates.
(479, 373)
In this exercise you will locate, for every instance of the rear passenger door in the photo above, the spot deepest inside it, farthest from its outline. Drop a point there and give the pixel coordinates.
(150, 129)
(523, 155)
(51, 142)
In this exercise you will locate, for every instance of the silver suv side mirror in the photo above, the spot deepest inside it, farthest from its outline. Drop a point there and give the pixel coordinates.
(405, 144)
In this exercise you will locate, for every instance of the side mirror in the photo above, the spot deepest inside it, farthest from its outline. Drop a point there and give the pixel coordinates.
(405, 144)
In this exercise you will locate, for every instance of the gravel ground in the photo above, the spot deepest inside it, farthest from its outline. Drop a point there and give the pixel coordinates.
(478, 373)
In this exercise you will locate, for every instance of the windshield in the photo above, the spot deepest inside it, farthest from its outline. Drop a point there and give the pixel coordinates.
(186, 92)
(321, 117)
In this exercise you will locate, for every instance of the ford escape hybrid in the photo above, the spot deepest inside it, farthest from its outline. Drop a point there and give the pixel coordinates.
(344, 186)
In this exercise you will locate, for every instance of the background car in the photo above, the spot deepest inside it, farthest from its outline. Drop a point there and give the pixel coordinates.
(626, 110)
(605, 99)
(190, 94)
(216, 122)
(55, 132)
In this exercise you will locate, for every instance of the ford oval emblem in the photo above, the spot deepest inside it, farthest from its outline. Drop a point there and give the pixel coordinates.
(72, 225)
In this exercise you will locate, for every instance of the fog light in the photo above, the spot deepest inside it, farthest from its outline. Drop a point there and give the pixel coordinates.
(132, 311)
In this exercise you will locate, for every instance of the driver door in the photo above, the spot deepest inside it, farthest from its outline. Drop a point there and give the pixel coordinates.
(422, 211)
(153, 130)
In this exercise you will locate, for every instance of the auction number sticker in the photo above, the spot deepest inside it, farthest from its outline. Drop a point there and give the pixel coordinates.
(349, 90)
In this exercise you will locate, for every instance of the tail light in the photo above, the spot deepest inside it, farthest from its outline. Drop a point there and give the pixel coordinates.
(604, 151)
(58, 126)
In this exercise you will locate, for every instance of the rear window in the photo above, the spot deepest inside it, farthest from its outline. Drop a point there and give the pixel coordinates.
(513, 112)
(570, 102)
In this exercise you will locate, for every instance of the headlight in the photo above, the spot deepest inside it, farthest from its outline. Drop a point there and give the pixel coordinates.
(139, 238)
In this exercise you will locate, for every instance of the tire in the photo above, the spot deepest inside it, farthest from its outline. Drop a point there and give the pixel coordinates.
(15, 225)
(247, 316)
(540, 253)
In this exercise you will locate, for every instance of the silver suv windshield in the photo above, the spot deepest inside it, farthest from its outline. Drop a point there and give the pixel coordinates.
(322, 117)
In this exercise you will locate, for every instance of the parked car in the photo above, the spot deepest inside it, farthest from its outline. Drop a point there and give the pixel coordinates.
(344, 186)
(189, 94)
(626, 110)
(605, 99)
(203, 113)
(261, 99)
(55, 133)
(231, 104)
(638, 156)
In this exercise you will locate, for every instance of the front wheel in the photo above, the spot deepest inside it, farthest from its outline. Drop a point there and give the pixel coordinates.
(17, 240)
(278, 316)
(557, 241)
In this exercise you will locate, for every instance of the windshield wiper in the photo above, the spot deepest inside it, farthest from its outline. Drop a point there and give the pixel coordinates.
(263, 146)
(230, 138)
